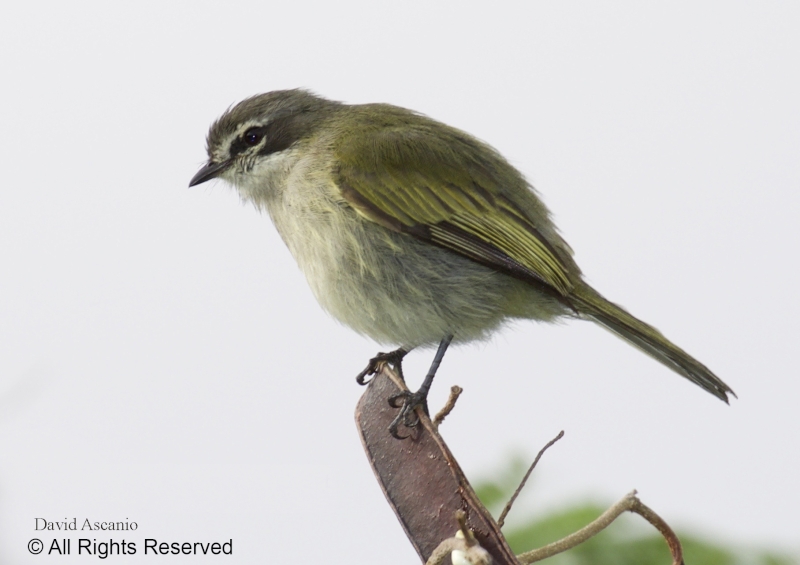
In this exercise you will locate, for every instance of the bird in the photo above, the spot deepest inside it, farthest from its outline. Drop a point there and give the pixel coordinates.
(410, 231)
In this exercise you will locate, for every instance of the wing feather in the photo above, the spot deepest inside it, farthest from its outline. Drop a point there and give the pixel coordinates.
(437, 185)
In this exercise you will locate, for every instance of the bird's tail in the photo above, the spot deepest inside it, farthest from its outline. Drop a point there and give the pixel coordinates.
(591, 304)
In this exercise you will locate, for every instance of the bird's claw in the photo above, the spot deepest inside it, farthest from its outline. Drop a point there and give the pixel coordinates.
(407, 402)
(376, 364)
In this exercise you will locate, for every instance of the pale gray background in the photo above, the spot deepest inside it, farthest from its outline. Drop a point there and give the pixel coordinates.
(162, 360)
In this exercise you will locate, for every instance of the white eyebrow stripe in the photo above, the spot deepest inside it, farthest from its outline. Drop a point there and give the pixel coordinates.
(223, 152)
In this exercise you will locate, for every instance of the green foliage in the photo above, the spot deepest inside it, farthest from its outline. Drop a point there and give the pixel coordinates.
(628, 541)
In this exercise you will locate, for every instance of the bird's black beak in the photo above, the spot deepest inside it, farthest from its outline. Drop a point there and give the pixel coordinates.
(210, 171)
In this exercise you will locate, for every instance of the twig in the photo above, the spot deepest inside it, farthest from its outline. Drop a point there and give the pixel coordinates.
(629, 503)
(507, 509)
(658, 522)
(461, 518)
(455, 392)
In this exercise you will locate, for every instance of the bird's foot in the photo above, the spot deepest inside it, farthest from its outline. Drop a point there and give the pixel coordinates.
(408, 402)
(376, 364)
(412, 400)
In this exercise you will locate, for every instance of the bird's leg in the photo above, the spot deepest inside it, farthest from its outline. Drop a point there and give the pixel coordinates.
(410, 400)
(376, 363)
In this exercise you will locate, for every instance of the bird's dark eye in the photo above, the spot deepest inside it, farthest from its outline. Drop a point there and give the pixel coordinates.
(253, 136)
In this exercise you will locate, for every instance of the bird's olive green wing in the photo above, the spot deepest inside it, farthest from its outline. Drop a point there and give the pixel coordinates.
(445, 188)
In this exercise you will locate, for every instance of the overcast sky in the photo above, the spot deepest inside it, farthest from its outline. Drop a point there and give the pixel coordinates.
(162, 360)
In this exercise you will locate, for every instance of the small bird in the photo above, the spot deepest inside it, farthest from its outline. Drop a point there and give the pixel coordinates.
(410, 231)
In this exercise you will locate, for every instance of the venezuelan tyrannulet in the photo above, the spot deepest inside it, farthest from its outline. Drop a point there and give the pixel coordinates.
(410, 231)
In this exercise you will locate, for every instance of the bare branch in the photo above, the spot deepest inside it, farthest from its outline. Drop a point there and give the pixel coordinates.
(658, 522)
(629, 503)
(421, 478)
(507, 509)
(425, 486)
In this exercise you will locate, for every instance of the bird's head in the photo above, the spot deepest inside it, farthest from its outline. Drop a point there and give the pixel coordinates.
(253, 132)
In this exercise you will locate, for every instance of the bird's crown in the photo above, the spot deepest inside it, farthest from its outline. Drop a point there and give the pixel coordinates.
(265, 123)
